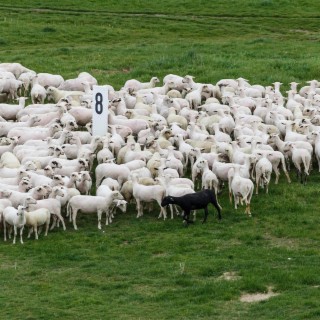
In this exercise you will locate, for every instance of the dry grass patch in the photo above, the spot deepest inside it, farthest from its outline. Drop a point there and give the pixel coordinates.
(257, 297)
(229, 276)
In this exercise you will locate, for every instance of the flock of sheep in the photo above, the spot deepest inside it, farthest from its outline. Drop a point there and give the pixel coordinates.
(231, 133)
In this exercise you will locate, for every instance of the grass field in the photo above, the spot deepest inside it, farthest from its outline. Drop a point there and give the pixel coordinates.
(151, 269)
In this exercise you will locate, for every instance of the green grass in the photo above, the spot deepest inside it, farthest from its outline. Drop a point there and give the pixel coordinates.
(148, 268)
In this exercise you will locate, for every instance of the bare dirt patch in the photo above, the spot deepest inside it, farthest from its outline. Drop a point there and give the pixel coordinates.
(257, 297)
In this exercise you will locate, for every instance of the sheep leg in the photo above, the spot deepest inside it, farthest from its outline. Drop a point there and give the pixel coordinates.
(194, 212)
(107, 217)
(171, 210)
(257, 183)
(287, 175)
(235, 201)
(14, 234)
(186, 214)
(4, 230)
(305, 178)
(35, 228)
(62, 221)
(74, 217)
(30, 232)
(9, 232)
(277, 172)
(230, 197)
(205, 214)
(54, 222)
(138, 208)
(21, 232)
(163, 211)
(47, 228)
(248, 209)
(99, 219)
(177, 211)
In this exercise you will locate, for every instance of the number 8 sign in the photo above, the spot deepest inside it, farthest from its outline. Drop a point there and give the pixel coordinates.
(99, 110)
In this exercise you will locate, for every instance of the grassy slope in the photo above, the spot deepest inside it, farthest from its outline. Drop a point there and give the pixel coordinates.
(151, 269)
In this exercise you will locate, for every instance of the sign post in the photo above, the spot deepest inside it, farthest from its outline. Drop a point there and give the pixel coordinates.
(100, 104)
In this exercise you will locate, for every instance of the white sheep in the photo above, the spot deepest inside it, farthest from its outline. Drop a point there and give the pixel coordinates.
(56, 94)
(34, 133)
(49, 80)
(9, 160)
(38, 92)
(263, 169)
(136, 85)
(16, 68)
(110, 195)
(53, 205)
(242, 190)
(35, 219)
(89, 204)
(10, 87)
(301, 157)
(143, 193)
(15, 218)
(119, 172)
(9, 111)
(175, 189)
(85, 182)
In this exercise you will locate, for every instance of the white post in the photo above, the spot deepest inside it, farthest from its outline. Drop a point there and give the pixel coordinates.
(100, 104)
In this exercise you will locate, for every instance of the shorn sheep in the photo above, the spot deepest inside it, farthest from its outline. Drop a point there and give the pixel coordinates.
(145, 127)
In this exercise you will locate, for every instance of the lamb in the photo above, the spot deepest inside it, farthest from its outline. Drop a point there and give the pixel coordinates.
(209, 179)
(36, 109)
(263, 170)
(10, 87)
(18, 198)
(127, 190)
(3, 204)
(194, 201)
(16, 218)
(16, 68)
(82, 115)
(301, 157)
(76, 84)
(112, 170)
(34, 133)
(111, 183)
(6, 126)
(176, 190)
(143, 193)
(56, 94)
(316, 134)
(185, 149)
(135, 85)
(174, 118)
(53, 205)
(9, 111)
(49, 80)
(85, 182)
(114, 197)
(38, 92)
(134, 124)
(90, 204)
(242, 190)
(36, 218)
(9, 160)
(9, 148)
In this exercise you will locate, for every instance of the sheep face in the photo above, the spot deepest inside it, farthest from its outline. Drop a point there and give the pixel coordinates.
(166, 201)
